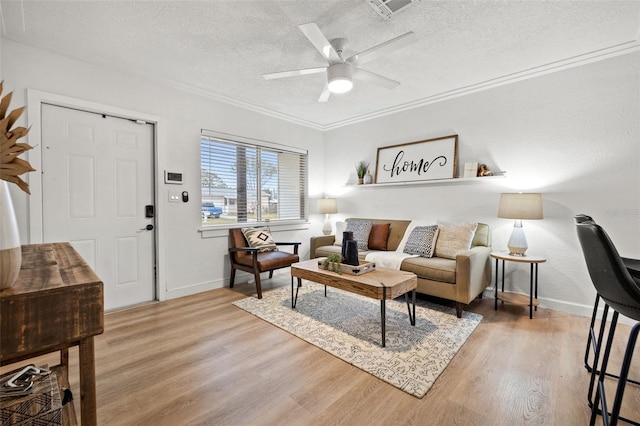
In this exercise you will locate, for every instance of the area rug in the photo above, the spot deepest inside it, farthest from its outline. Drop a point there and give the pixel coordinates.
(348, 326)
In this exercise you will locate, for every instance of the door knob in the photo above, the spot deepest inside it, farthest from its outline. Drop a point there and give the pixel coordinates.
(149, 227)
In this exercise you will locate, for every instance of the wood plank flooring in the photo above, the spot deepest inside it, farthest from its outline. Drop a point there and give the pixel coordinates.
(199, 360)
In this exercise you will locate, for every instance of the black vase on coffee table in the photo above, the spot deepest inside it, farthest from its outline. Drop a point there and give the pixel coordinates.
(349, 249)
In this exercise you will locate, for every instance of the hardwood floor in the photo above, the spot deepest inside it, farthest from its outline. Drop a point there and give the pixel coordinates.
(200, 360)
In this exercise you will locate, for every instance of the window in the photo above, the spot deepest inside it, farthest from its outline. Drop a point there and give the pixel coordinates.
(247, 181)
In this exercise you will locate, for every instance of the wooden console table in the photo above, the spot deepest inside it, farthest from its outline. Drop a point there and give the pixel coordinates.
(57, 303)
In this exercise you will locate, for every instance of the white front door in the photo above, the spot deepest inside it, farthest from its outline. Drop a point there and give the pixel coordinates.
(97, 179)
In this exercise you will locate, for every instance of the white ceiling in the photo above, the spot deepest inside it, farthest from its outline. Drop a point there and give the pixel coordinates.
(221, 48)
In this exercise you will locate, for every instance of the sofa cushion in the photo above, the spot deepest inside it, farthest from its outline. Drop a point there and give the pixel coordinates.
(422, 241)
(482, 237)
(260, 237)
(436, 268)
(396, 230)
(340, 228)
(378, 236)
(325, 251)
(361, 230)
(454, 237)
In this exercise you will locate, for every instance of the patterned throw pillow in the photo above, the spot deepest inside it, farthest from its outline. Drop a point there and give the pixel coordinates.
(361, 230)
(454, 237)
(260, 238)
(422, 241)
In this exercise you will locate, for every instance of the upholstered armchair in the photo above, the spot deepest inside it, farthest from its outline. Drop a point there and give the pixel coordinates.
(260, 256)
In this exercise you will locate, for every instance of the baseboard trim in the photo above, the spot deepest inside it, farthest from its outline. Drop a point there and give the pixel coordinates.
(570, 307)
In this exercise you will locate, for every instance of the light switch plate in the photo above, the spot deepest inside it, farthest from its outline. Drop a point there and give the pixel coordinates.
(175, 197)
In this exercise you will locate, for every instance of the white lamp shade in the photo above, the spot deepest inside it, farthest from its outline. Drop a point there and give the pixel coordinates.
(327, 206)
(520, 206)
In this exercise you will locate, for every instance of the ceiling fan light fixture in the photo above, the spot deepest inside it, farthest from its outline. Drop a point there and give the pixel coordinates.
(339, 77)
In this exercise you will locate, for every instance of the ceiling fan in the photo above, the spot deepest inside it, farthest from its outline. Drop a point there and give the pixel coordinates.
(340, 71)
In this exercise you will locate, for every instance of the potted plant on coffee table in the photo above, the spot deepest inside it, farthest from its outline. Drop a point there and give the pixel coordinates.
(332, 263)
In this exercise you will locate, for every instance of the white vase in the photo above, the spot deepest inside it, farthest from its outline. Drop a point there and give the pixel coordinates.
(368, 178)
(10, 250)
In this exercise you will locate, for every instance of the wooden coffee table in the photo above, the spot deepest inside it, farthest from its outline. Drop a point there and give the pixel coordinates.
(381, 284)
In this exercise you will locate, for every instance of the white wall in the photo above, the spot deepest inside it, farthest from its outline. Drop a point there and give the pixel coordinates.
(191, 263)
(572, 135)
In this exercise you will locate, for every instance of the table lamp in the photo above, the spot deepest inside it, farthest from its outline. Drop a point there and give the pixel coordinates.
(519, 206)
(327, 206)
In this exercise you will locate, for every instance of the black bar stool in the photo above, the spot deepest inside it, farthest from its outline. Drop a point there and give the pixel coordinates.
(621, 292)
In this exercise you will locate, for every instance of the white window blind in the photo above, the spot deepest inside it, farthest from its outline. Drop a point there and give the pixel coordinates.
(245, 182)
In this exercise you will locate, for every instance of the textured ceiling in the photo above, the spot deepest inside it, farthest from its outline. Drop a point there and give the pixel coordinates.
(221, 48)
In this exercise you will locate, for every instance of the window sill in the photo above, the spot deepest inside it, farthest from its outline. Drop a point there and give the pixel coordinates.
(218, 231)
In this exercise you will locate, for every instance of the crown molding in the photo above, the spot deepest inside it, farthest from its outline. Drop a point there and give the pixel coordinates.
(560, 65)
(575, 61)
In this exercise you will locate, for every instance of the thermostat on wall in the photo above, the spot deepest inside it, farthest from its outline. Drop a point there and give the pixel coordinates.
(173, 177)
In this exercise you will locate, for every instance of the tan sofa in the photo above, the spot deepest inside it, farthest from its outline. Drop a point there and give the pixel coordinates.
(460, 280)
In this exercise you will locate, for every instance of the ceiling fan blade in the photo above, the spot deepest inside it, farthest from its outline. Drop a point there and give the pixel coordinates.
(375, 78)
(324, 96)
(320, 42)
(383, 48)
(293, 73)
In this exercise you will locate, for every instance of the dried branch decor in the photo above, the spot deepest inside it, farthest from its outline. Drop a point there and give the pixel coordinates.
(11, 167)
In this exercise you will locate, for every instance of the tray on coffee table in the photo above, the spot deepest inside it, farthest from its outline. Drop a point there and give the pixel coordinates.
(360, 269)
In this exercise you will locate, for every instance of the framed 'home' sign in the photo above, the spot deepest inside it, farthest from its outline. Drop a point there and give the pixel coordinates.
(415, 161)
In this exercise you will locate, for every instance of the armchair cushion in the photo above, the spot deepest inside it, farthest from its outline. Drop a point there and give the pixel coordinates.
(260, 238)
(268, 261)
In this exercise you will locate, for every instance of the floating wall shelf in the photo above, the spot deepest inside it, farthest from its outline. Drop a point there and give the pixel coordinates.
(497, 175)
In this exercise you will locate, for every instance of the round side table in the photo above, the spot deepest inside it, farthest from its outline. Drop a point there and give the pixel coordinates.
(517, 298)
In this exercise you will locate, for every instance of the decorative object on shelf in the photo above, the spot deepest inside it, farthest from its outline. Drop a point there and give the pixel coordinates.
(519, 206)
(327, 206)
(470, 169)
(483, 170)
(332, 263)
(361, 170)
(368, 179)
(11, 167)
(418, 161)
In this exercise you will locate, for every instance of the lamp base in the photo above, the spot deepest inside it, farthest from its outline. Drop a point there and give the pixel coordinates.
(517, 242)
(326, 227)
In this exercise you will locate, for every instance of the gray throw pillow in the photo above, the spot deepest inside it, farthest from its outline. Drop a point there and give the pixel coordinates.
(361, 230)
(422, 241)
